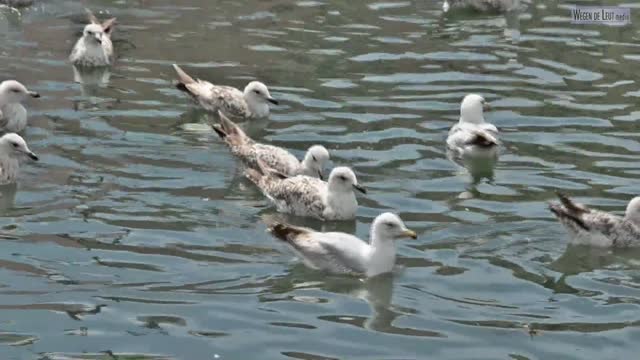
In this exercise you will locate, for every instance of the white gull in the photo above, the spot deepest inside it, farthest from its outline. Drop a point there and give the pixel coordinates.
(472, 135)
(94, 48)
(13, 115)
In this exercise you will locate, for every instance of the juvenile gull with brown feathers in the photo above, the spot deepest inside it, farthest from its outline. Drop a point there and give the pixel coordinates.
(306, 196)
(338, 252)
(94, 48)
(275, 158)
(588, 226)
(248, 105)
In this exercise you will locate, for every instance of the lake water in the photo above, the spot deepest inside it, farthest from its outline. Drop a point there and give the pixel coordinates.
(137, 237)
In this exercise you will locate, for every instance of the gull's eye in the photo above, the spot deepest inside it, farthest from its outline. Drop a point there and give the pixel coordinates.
(391, 225)
(257, 91)
(343, 178)
(15, 90)
(314, 158)
(89, 32)
(15, 145)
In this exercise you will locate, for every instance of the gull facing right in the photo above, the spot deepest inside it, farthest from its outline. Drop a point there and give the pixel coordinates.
(338, 252)
(12, 147)
(13, 116)
(238, 105)
(306, 196)
(274, 157)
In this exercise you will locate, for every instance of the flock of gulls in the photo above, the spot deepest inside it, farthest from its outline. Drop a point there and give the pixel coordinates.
(299, 187)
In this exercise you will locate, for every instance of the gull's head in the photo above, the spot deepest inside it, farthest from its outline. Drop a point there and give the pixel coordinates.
(343, 179)
(633, 211)
(93, 33)
(258, 93)
(12, 91)
(14, 145)
(445, 6)
(389, 226)
(472, 108)
(315, 159)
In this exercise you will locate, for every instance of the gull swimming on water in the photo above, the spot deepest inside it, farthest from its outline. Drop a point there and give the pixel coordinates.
(598, 228)
(248, 105)
(274, 157)
(495, 6)
(94, 48)
(472, 135)
(306, 196)
(12, 147)
(13, 116)
(338, 252)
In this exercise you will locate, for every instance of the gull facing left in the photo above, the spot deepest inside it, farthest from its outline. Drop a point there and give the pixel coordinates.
(338, 252)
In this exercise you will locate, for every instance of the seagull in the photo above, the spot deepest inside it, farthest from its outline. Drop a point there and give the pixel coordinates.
(494, 6)
(13, 116)
(17, 3)
(12, 147)
(275, 158)
(94, 48)
(306, 196)
(248, 105)
(338, 252)
(598, 228)
(472, 135)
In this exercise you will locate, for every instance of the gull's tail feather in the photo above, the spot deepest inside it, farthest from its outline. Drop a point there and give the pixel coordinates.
(570, 205)
(285, 232)
(183, 79)
(92, 18)
(230, 131)
(483, 139)
(564, 215)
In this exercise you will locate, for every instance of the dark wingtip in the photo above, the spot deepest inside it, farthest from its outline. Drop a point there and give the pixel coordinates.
(218, 129)
(182, 87)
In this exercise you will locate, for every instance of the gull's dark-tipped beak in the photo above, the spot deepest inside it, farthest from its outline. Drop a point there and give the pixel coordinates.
(34, 94)
(486, 106)
(273, 101)
(410, 234)
(360, 188)
(320, 175)
(33, 156)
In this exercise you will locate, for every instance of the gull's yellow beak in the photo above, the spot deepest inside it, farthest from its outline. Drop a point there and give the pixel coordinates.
(410, 233)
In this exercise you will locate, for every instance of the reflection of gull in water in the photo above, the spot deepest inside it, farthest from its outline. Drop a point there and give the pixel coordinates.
(588, 226)
(97, 76)
(338, 252)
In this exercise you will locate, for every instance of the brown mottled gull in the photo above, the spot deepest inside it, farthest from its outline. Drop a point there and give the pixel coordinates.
(338, 252)
(598, 228)
(306, 196)
(94, 48)
(472, 135)
(248, 105)
(276, 158)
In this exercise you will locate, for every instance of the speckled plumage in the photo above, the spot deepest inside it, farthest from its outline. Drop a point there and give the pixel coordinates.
(306, 196)
(339, 252)
(94, 48)
(237, 105)
(593, 227)
(276, 158)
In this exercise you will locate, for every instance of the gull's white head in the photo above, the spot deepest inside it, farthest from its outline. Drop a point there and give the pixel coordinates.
(389, 226)
(633, 211)
(315, 160)
(257, 96)
(472, 108)
(343, 179)
(13, 145)
(12, 91)
(95, 32)
(445, 6)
